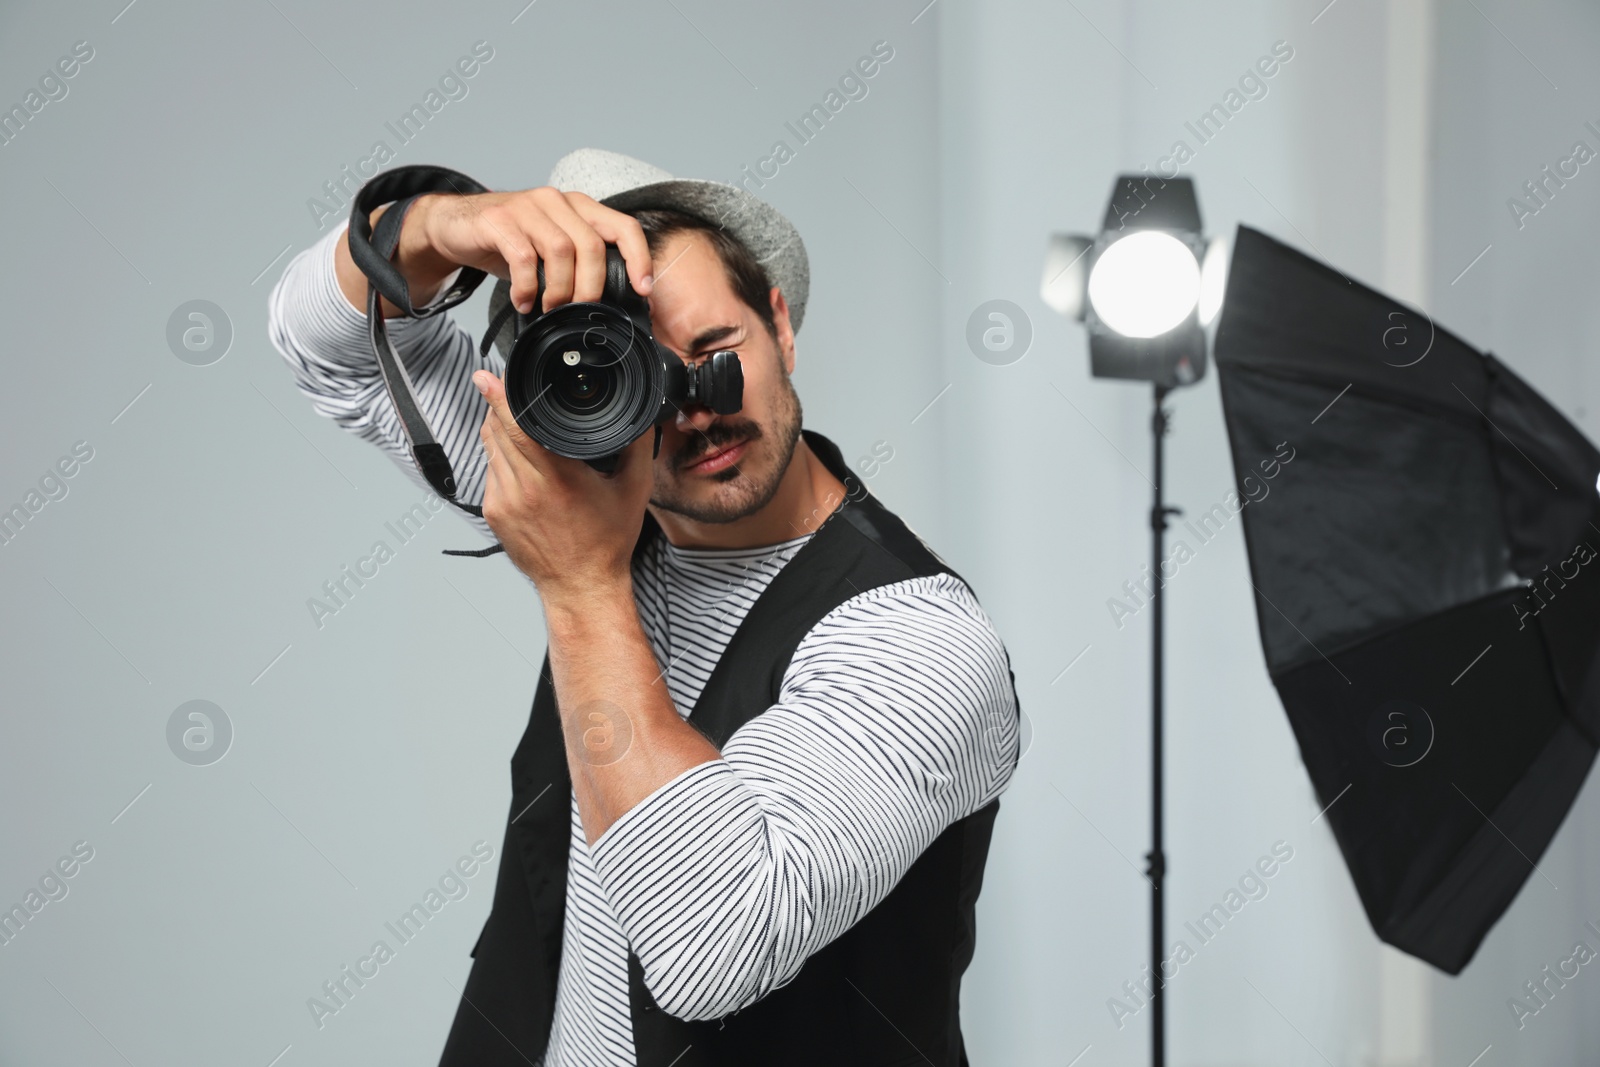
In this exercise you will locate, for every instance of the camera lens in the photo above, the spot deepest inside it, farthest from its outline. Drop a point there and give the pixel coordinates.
(585, 381)
(584, 388)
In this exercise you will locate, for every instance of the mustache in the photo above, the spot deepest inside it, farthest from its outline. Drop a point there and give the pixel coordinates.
(715, 437)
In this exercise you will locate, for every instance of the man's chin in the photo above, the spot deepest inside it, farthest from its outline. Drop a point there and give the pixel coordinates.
(719, 497)
(732, 493)
(716, 499)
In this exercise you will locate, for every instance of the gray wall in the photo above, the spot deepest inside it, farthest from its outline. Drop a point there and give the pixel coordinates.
(1040, 111)
(371, 754)
(1505, 114)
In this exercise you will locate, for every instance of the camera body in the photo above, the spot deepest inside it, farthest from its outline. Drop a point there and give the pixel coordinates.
(587, 379)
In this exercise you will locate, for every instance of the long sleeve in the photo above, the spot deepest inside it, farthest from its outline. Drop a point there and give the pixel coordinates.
(895, 719)
(324, 341)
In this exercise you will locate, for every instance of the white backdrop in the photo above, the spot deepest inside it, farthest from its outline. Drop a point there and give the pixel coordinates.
(370, 754)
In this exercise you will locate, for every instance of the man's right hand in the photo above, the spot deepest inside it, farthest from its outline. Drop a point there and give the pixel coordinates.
(508, 235)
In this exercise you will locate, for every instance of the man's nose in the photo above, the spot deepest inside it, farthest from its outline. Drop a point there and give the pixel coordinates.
(696, 417)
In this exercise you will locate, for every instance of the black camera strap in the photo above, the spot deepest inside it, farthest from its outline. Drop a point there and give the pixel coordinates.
(372, 251)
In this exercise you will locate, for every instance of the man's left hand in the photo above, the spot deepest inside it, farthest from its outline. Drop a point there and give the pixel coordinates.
(564, 524)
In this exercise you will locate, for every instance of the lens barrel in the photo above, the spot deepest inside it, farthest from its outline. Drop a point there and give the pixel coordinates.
(587, 380)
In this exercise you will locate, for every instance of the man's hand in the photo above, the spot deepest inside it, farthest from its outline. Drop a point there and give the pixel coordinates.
(572, 530)
(508, 235)
(565, 525)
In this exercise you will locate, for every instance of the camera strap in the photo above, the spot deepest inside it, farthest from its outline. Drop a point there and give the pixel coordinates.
(372, 251)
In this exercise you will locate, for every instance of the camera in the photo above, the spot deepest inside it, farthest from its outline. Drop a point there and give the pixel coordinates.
(587, 379)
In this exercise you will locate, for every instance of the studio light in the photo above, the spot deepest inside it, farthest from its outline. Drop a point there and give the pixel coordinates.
(1144, 284)
(1145, 288)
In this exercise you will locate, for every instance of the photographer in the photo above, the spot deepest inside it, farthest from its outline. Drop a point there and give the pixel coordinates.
(780, 722)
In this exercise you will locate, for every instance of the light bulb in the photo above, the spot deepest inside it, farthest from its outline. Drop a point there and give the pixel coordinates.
(1144, 284)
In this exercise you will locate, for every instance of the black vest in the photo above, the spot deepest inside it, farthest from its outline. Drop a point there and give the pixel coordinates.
(887, 991)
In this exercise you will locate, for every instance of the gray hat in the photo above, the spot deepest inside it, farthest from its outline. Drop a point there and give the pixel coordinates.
(629, 184)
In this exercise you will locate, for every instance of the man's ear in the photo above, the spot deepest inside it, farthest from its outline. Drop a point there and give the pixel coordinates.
(780, 323)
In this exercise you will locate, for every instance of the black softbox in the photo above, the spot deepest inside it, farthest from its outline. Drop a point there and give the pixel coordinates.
(1427, 577)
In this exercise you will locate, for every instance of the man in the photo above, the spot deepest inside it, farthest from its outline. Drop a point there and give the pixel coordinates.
(751, 810)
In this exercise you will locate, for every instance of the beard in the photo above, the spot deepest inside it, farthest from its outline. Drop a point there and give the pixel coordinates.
(747, 486)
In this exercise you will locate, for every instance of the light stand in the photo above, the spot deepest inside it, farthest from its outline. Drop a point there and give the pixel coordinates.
(1145, 302)
(1159, 424)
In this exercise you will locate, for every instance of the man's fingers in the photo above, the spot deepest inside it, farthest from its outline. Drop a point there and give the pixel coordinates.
(510, 436)
(641, 458)
(494, 391)
(556, 247)
(622, 230)
(499, 450)
(507, 234)
(589, 249)
(636, 464)
(526, 238)
(566, 234)
(503, 455)
(497, 476)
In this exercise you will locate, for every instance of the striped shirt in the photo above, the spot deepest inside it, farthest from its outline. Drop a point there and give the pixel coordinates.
(896, 717)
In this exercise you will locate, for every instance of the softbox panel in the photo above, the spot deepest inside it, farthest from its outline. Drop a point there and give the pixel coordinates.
(1427, 580)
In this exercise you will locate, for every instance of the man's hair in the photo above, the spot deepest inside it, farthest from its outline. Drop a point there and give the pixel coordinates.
(747, 277)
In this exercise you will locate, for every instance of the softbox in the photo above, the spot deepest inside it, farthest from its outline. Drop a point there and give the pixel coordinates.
(1427, 588)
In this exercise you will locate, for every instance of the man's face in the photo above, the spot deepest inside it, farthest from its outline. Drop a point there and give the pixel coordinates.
(718, 468)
